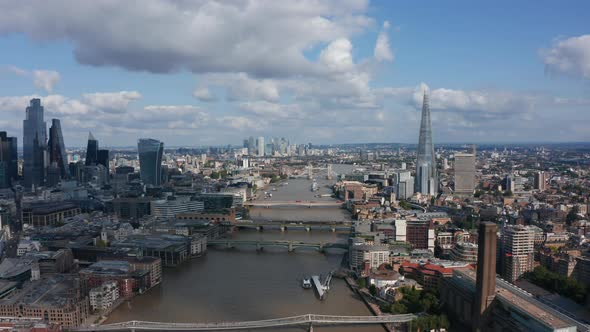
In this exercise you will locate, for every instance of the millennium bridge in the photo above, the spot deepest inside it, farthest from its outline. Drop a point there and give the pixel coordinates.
(308, 320)
(290, 245)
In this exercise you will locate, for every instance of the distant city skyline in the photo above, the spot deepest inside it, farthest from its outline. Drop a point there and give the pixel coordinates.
(351, 72)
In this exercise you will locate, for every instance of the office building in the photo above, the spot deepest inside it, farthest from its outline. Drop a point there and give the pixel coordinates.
(57, 151)
(517, 251)
(91, 151)
(40, 214)
(150, 161)
(426, 181)
(420, 234)
(8, 160)
(464, 252)
(57, 299)
(104, 296)
(173, 205)
(540, 181)
(251, 146)
(404, 184)
(96, 168)
(34, 145)
(366, 257)
(464, 173)
(260, 145)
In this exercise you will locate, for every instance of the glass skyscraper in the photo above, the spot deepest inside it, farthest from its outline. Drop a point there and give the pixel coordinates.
(91, 150)
(150, 153)
(8, 160)
(57, 150)
(34, 145)
(426, 177)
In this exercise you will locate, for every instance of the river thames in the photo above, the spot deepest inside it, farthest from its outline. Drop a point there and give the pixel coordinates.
(242, 284)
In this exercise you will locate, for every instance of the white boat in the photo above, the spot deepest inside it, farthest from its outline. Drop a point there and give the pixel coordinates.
(306, 283)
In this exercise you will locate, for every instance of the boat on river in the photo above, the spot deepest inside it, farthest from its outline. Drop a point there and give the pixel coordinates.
(306, 283)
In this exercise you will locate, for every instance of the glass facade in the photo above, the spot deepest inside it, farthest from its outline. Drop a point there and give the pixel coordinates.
(150, 153)
(34, 145)
(57, 150)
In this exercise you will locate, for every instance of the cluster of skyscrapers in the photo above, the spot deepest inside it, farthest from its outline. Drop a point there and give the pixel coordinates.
(45, 161)
(259, 147)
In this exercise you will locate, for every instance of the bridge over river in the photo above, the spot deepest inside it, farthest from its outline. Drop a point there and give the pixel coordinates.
(303, 320)
(270, 203)
(290, 245)
(306, 226)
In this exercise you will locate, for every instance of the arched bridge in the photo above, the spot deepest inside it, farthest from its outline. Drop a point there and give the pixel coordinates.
(303, 320)
(270, 203)
(290, 245)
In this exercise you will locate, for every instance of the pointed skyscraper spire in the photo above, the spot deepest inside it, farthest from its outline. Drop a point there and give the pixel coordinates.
(91, 137)
(426, 177)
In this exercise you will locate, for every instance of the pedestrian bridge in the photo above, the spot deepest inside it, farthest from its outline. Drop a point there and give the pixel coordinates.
(303, 320)
(270, 203)
(290, 245)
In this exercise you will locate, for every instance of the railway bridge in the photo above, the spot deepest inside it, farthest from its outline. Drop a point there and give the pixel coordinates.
(290, 245)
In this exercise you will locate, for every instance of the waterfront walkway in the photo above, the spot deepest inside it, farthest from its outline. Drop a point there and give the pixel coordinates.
(303, 320)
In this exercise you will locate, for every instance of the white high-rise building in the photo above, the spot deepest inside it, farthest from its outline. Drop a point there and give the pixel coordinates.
(517, 251)
(260, 144)
(464, 173)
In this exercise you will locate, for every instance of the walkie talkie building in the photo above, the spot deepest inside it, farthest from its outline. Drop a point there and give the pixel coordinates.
(150, 160)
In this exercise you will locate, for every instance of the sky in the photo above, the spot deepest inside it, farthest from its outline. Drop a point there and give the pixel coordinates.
(197, 73)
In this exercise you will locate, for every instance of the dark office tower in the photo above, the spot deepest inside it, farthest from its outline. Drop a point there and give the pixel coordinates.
(426, 178)
(102, 158)
(34, 143)
(91, 151)
(8, 160)
(485, 284)
(57, 151)
(150, 160)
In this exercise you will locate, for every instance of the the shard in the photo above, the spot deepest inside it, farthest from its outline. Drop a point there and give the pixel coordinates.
(426, 178)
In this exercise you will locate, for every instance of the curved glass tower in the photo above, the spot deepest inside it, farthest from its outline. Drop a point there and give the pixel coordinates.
(57, 150)
(150, 153)
(426, 178)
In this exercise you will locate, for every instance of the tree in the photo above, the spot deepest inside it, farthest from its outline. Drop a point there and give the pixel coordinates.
(373, 290)
(398, 308)
(362, 283)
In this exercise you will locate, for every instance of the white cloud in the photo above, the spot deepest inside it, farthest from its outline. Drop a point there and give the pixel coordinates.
(337, 56)
(42, 79)
(190, 35)
(273, 111)
(569, 56)
(240, 86)
(111, 102)
(203, 94)
(16, 70)
(383, 50)
(242, 123)
(45, 79)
